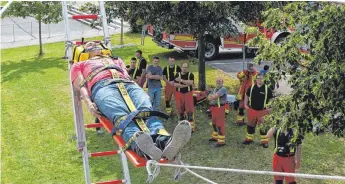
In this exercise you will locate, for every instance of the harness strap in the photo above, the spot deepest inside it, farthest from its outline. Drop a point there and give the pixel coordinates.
(129, 103)
(179, 75)
(251, 91)
(175, 68)
(98, 70)
(123, 121)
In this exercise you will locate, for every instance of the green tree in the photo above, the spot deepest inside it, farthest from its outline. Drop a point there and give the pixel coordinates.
(43, 11)
(317, 77)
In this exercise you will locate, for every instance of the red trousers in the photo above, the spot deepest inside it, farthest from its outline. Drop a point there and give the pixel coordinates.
(169, 91)
(256, 117)
(184, 102)
(283, 164)
(218, 118)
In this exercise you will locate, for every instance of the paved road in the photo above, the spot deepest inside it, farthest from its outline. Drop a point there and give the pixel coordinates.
(231, 62)
(17, 32)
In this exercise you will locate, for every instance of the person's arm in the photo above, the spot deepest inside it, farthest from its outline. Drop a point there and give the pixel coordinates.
(298, 156)
(85, 96)
(189, 82)
(270, 133)
(213, 96)
(142, 66)
(178, 85)
(246, 102)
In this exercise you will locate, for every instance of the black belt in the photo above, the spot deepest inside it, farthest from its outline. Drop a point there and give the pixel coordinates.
(216, 105)
(286, 155)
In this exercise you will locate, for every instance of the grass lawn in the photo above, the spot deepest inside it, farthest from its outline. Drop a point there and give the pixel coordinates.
(38, 143)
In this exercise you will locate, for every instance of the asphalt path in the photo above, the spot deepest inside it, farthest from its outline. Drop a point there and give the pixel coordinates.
(231, 62)
(18, 32)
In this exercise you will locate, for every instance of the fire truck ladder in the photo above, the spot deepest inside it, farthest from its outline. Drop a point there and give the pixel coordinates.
(76, 101)
(136, 160)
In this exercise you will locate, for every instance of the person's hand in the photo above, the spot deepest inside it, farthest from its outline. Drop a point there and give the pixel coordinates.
(297, 165)
(171, 83)
(209, 97)
(178, 79)
(94, 109)
(269, 111)
(246, 107)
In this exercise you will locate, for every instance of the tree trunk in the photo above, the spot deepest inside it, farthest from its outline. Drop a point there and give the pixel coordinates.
(40, 36)
(121, 38)
(201, 56)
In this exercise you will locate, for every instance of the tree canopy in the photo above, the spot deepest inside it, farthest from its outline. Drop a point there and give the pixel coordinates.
(317, 76)
(43, 11)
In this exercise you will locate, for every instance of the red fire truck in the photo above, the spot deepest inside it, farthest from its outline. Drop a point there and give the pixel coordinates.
(187, 43)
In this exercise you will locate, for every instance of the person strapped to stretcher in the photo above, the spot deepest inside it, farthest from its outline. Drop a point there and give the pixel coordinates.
(108, 91)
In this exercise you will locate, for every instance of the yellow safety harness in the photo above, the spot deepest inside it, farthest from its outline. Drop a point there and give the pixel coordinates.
(140, 122)
(179, 75)
(175, 69)
(251, 91)
(292, 150)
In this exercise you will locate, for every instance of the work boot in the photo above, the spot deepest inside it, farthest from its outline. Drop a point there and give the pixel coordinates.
(247, 141)
(178, 140)
(264, 145)
(145, 144)
(219, 145)
(212, 140)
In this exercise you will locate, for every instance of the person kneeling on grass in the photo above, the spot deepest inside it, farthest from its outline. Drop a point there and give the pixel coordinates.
(104, 84)
(287, 145)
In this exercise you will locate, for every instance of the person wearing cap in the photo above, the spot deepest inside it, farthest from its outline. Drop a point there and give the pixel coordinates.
(169, 73)
(184, 82)
(287, 152)
(107, 89)
(218, 100)
(256, 99)
(247, 79)
(141, 67)
(133, 70)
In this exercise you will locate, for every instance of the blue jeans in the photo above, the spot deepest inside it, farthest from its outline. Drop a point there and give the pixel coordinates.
(155, 97)
(111, 104)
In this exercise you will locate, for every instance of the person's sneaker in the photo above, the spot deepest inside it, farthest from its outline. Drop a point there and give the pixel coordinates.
(219, 145)
(145, 143)
(99, 131)
(264, 145)
(178, 140)
(247, 142)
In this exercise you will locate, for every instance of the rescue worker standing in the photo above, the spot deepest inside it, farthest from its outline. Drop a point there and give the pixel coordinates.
(184, 82)
(284, 152)
(247, 79)
(141, 67)
(256, 99)
(169, 73)
(218, 99)
(133, 70)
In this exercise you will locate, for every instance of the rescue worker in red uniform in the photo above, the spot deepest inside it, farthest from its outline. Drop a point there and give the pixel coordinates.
(256, 99)
(184, 82)
(169, 73)
(287, 153)
(247, 79)
(218, 99)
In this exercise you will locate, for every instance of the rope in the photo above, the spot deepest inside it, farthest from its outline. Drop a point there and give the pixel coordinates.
(311, 176)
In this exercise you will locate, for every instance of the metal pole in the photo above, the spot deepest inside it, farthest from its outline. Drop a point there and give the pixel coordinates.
(14, 36)
(244, 49)
(125, 169)
(5, 7)
(143, 34)
(105, 24)
(76, 102)
(121, 38)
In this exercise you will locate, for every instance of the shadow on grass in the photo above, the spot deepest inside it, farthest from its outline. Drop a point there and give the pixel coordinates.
(13, 70)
